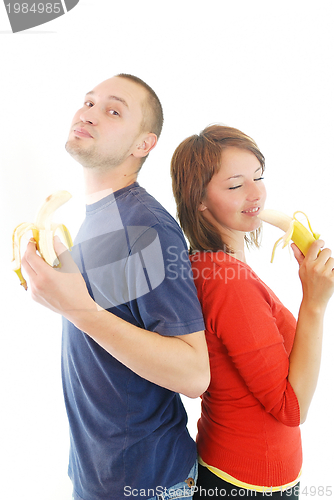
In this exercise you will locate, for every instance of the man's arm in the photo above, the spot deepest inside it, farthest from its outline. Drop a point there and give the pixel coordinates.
(179, 363)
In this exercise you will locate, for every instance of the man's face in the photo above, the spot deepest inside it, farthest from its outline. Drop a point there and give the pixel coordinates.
(107, 129)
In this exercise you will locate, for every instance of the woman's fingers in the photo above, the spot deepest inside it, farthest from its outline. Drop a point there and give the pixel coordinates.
(297, 253)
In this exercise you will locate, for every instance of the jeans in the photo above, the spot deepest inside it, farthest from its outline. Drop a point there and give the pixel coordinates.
(211, 486)
(181, 491)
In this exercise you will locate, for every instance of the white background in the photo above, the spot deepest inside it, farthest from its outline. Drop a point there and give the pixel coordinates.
(263, 66)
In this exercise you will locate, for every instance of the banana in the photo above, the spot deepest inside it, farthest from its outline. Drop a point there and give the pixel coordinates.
(293, 228)
(43, 231)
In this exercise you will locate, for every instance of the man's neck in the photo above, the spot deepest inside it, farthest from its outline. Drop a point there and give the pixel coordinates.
(99, 185)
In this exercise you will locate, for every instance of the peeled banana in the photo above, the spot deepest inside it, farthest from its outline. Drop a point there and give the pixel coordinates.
(293, 228)
(43, 231)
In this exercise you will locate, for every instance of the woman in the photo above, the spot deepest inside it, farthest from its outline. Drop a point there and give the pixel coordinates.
(264, 364)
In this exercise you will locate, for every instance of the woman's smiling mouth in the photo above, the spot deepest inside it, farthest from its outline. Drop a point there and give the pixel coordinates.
(252, 211)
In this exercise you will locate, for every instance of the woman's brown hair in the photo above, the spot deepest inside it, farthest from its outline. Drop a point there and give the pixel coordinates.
(193, 165)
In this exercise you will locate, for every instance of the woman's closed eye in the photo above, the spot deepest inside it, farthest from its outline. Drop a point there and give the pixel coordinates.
(240, 185)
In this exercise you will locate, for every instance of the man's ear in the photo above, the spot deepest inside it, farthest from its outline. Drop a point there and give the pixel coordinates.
(147, 143)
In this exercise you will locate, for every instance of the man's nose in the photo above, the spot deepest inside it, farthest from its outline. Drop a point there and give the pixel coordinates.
(89, 115)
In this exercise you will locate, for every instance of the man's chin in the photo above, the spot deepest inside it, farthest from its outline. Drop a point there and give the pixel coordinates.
(71, 146)
(86, 158)
(74, 149)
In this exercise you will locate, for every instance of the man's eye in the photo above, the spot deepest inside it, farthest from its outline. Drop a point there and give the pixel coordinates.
(88, 104)
(113, 112)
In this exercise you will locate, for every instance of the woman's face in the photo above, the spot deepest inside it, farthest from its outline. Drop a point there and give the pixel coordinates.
(235, 195)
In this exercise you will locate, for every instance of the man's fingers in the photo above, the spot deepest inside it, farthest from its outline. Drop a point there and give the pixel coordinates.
(30, 260)
(58, 245)
(67, 264)
(32, 263)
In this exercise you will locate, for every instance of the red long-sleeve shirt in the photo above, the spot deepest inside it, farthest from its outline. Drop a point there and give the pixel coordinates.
(249, 426)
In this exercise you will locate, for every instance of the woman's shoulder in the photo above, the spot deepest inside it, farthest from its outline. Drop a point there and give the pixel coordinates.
(218, 261)
(218, 269)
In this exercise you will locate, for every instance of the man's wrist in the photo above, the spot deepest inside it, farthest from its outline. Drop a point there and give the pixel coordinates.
(83, 317)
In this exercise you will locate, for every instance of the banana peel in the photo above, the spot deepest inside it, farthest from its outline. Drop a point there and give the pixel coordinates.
(43, 231)
(294, 230)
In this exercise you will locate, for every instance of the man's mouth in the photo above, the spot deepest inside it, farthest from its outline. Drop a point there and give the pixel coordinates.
(82, 132)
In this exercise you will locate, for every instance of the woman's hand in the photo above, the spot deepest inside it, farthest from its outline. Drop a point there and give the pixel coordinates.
(316, 273)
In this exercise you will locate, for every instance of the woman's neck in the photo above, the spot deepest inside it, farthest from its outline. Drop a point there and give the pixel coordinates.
(236, 243)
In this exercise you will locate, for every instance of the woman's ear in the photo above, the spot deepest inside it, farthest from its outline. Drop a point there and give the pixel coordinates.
(202, 207)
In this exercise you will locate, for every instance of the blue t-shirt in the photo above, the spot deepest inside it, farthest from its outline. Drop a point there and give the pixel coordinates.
(128, 435)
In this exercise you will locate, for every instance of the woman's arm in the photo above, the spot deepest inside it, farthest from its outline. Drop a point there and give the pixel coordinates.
(317, 277)
(258, 332)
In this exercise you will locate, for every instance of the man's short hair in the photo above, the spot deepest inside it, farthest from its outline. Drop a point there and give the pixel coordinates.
(152, 109)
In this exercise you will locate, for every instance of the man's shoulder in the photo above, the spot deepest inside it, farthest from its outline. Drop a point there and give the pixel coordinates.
(139, 208)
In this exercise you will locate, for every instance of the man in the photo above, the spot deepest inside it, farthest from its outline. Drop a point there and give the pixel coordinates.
(132, 330)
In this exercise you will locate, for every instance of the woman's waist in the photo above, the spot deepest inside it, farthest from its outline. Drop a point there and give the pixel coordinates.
(253, 431)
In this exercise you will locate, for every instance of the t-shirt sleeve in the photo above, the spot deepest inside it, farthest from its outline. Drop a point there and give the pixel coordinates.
(160, 282)
(240, 312)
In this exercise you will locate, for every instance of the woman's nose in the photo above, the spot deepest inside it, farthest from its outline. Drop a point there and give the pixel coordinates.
(255, 191)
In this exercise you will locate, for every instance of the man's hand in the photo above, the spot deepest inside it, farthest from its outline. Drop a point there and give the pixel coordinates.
(63, 290)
